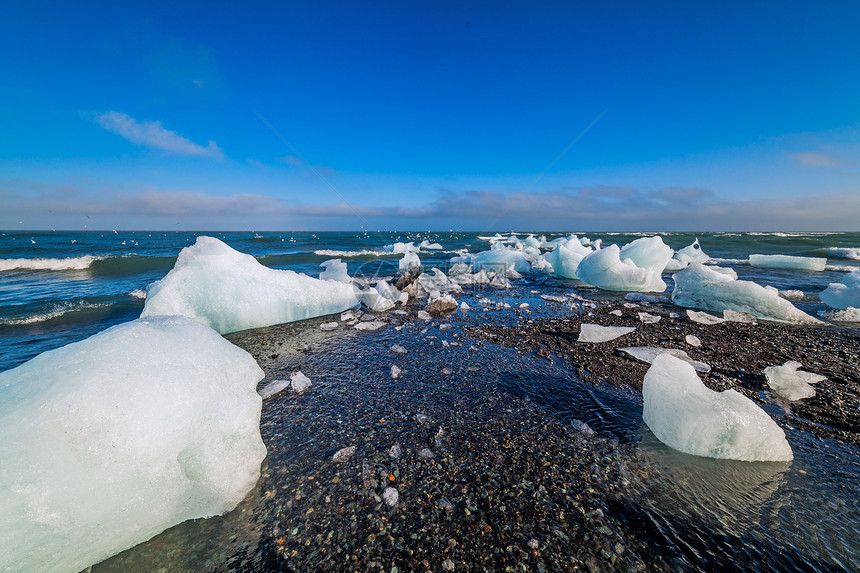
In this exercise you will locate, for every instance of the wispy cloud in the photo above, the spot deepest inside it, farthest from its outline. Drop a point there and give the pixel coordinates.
(815, 159)
(153, 135)
(306, 169)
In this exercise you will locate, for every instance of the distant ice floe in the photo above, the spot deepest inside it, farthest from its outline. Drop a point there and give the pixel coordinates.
(109, 441)
(703, 287)
(686, 415)
(605, 269)
(67, 264)
(787, 262)
(790, 382)
(230, 291)
(843, 294)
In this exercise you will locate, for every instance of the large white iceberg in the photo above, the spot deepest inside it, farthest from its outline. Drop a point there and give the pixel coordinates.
(499, 260)
(843, 294)
(699, 286)
(109, 441)
(605, 269)
(787, 262)
(686, 415)
(229, 291)
(567, 256)
(647, 252)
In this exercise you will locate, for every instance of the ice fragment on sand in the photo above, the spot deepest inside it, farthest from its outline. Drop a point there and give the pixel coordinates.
(687, 416)
(370, 326)
(327, 326)
(693, 340)
(790, 382)
(649, 353)
(699, 286)
(597, 333)
(616, 312)
(426, 454)
(111, 440)
(229, 291)
(648, 318)
(424, 315)
(605, 269)
(704, 317)
(273, 387)
(397, 349)
(464, 306)
(395, 371)
(343, 454)
(733, 316)
(299, 382)
(843, 294)
(787, 262)
(391, 496)
(849, 314)
(395, 452)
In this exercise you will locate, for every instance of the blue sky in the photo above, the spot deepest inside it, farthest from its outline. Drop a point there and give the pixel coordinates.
(567, 116)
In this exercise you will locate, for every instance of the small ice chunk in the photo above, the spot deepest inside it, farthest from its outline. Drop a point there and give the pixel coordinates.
(395, 452)
(849, 314)
(327, 326)
(843, 294)
(230, 291)
(424, 315)
(409, 261)
(499, 259)
(464, 306)
(699, 286)
(606, 270)
(733, 316)
(648, 318)
(704, 317)
(687, 416)
(693, 340)
(425, 244)
(432, 282)
(391, 496)
(790, 382)
(426, 454)
(299, 382)
(566, 257)
(792, 294)
(616, 312)
(553, 298)
(349, 315)
(273, 388)
(640, 297)
(692, 254)
(787, 262)
(397, 349)
(343, 454)
(649, 353)
(525, 305)
(370, 326)
(395, 372)
(597, 333)
(335, 270)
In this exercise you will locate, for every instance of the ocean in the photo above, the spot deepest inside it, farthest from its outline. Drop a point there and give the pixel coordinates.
(58, 287)
(535, 465)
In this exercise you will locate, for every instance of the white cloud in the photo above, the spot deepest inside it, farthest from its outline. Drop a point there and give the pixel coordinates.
(815, 159)
(153, 135)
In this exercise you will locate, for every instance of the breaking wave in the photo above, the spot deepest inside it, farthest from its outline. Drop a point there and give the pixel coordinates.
(68, 264)
(844, 253)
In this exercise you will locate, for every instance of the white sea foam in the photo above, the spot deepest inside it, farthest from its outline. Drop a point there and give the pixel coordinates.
(362, 253)
(55, 312)
(844, 252)
(69, 264)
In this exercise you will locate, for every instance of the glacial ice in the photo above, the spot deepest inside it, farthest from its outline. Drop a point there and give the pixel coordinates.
(111, 440)
(692, 253)
(647, 252)
(704, 317)
(229, 291)
(380, 298)
(843, 294)
(597, 333)
(687, 416)
(699, 286)
(649, 353)
(335, 270)
(605, 269)
(409, 260)
(499, 259)
(425, 244)
(398, 248)
(566, 256)
(787, 262)
(790, 382)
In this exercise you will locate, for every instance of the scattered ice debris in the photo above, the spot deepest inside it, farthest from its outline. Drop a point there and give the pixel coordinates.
(582, 427)
(391, 496)
(597, 333)
(790, 382)
(409, 261)
(425, 244)
(524, 305)
(533, 544)
(792, 294)
(111, 440)
(327, 326)
(437, 440)
(640, 297)
(849, 314)
(649, 353)
(446, 326)
(648, 318)
(647, 253)
(843, 294)
(687, 416)
(693, 340)
(464, 306)
(426, 454)
(704, 317)
(441, 302)
(397, 349)
(335, 270)
(380, 298)
(138, 293)
(371, 326)
(421, 418)
(446, 371)
(787, 262)
(692, 254)
(395, 372)
(343, 454)
(553, 298)
(229, 291)
(699, 286)
(499, 259)
(605, 269)
(616, 312)
(424, 315)
(299, 382)
(674, 315)
(349, 315)
(398, 248)
(395, 452)
(432, 282)
(273, 387)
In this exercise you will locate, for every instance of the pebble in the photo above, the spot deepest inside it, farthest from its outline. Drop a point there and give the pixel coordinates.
(395, 452)
(391, 496)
